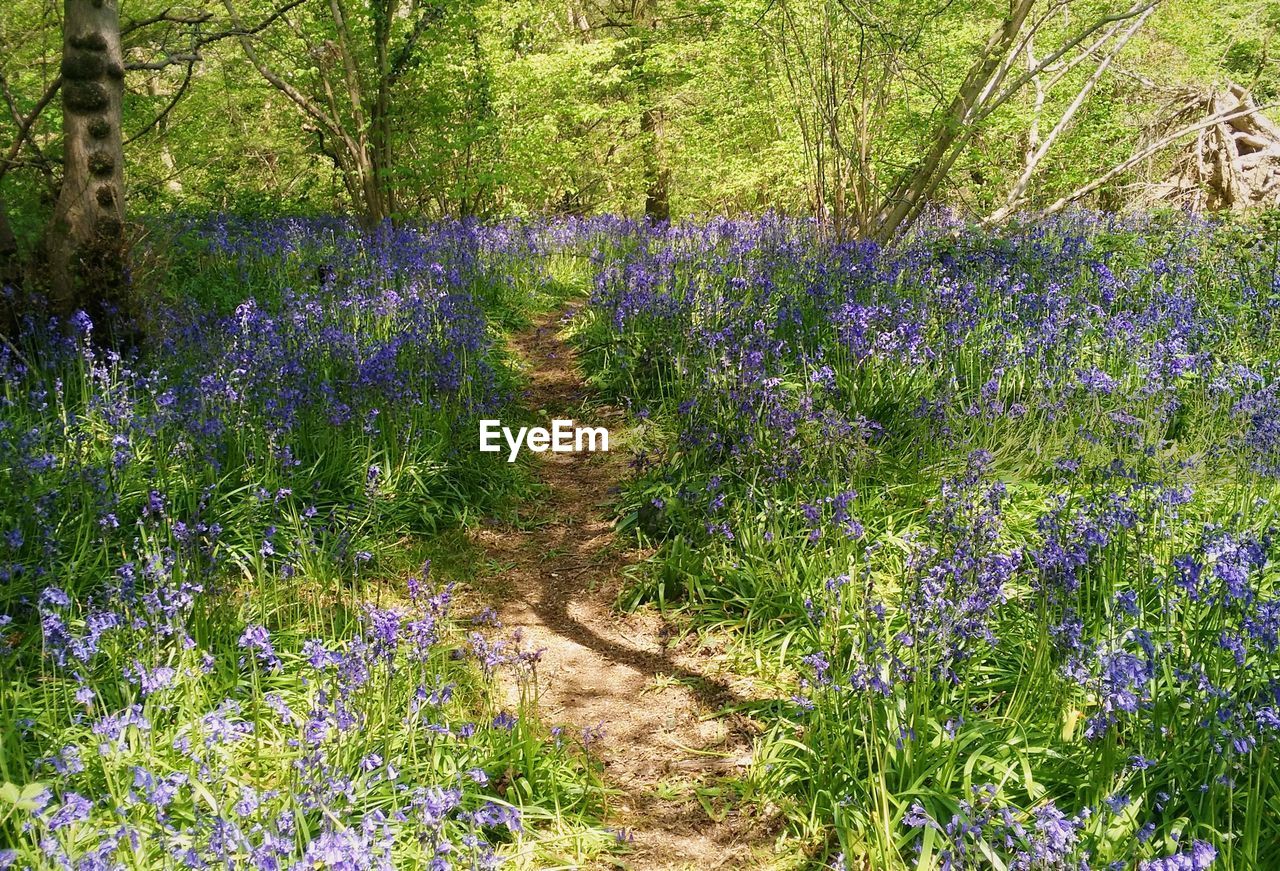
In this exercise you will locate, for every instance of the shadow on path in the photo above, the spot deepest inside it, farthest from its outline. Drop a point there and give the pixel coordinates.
(657, 702)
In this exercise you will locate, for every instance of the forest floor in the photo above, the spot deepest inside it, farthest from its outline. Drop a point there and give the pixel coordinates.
(671, 753)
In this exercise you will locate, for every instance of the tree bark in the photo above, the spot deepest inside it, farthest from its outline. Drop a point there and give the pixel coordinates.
(914, 190)
(385, 13)
(657, 177)
(86, 241)
(9, 266)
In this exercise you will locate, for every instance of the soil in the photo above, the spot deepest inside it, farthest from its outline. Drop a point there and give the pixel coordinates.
(670, 752)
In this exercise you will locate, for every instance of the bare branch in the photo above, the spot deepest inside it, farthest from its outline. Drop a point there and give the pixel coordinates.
(238, 30)
(199, 41)
(1037, 154)
(169, 60)
(1141, 155)
(1046, 62)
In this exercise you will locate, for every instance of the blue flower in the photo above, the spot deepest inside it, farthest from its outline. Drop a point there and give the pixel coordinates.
(75, 808)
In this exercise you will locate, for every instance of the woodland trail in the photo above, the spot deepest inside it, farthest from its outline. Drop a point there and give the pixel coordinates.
(559, 572)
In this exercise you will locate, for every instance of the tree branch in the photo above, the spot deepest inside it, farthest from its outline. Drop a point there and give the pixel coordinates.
(1019, 83)
(169, 60)
(1141, 155)
(164, 113)
(39, 160)
(1037, 154)
(165, 16)
(24, 128)
(315, 112)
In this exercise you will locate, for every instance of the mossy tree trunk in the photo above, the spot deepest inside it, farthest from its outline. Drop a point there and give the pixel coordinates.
(10, 271)
(657, 177)
(86, 245)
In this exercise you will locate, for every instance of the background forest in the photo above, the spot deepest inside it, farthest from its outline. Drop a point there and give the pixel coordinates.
(680, 107)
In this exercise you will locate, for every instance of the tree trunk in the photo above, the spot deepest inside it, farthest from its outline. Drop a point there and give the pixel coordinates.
(174, 182)
(381, 120)
(366, 132)
(578, 21)
(374, 210)
(913, 191)
(657, 178)
(10, 275)
(10, 271)
(86, 246)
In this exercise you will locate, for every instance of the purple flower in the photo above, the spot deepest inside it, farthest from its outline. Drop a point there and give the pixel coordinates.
(75, 808)
(257, 639)
(1201, 856)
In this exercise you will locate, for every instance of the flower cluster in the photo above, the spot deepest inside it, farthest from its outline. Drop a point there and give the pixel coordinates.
(192, 532)
(1009, 494)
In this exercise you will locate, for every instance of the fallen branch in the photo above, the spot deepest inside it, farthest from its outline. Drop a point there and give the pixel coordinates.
(1152, 149)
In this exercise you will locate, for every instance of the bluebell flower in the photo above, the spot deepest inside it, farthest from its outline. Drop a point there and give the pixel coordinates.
(75, 808)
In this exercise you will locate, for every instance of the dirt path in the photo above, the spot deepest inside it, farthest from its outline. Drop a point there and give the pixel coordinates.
(559, 573)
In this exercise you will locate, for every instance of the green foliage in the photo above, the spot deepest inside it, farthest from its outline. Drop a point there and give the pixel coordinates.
(985, 501)
(535, 106)
(221, 627)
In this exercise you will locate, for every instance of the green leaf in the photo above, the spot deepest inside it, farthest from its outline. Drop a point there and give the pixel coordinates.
(25, 798)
